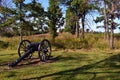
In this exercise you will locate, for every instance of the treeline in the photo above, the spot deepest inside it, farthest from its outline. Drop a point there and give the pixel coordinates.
(31, 18)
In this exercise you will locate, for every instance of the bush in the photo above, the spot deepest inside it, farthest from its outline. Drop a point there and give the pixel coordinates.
(70, 42)
(7, 34)
(3, 44)
(84, 44)
(101, 45)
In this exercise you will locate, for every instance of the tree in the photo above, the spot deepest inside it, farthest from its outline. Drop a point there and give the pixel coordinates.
(113, 8)
(111, 12)
(4, 4)
(54, 18)
(36, 11)
(83, 7)
(22, 14)
(5, 12)
(72, 17)
(70, 21)
(19, 5)
(80, 8)
(103, 18)
(106, 36)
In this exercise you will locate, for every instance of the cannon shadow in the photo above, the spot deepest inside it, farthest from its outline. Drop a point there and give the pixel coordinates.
(36, 61)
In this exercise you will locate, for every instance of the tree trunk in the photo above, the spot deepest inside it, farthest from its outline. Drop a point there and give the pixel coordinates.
(112, 36)
(77, 27)
(53, 32)
(21, 36)
(106, 35)
(20, 7)
(83, 26)
(112, 26)
(105, 22)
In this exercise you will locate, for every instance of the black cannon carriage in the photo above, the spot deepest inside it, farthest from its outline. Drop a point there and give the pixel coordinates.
(27, 48)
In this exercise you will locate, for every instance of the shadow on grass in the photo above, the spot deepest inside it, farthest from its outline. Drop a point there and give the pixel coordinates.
(60, 46)
(110, 62)
(28, 62)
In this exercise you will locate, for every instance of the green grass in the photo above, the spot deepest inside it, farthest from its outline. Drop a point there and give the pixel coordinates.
(66, 65)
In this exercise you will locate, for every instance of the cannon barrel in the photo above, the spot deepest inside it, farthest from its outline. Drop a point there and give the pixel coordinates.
(26, 54)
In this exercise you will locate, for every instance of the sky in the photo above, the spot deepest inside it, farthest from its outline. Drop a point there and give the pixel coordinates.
(43, 2)
(90, 23)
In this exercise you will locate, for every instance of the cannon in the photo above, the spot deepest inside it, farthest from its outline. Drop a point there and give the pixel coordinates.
(27, 48)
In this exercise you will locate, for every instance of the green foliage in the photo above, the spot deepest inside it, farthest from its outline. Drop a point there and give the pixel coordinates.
(8, 22)
(54, 17)
(18, 16)
(18, 1)
(99, 19)
(82, 6)
(7, 10)
(3, 45)
(70, 21)
(7, 34)
(35, 8)
(100, 44)
(68, 41)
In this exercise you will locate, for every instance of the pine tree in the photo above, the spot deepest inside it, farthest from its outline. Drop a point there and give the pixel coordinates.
(70, 21)
(21, 14)
(54, 16)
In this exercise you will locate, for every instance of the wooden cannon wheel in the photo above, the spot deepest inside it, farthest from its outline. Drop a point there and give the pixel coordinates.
(44, 50)
(24, 47)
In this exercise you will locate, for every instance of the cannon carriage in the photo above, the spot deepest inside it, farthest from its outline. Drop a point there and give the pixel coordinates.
(26, 49)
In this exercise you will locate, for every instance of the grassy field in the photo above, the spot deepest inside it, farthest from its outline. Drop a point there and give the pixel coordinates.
(65, 65)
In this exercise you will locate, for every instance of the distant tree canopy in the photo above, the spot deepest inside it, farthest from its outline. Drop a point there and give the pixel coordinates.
(22, 16)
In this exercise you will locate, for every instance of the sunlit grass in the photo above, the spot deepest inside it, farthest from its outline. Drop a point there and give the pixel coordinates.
(66, 65)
